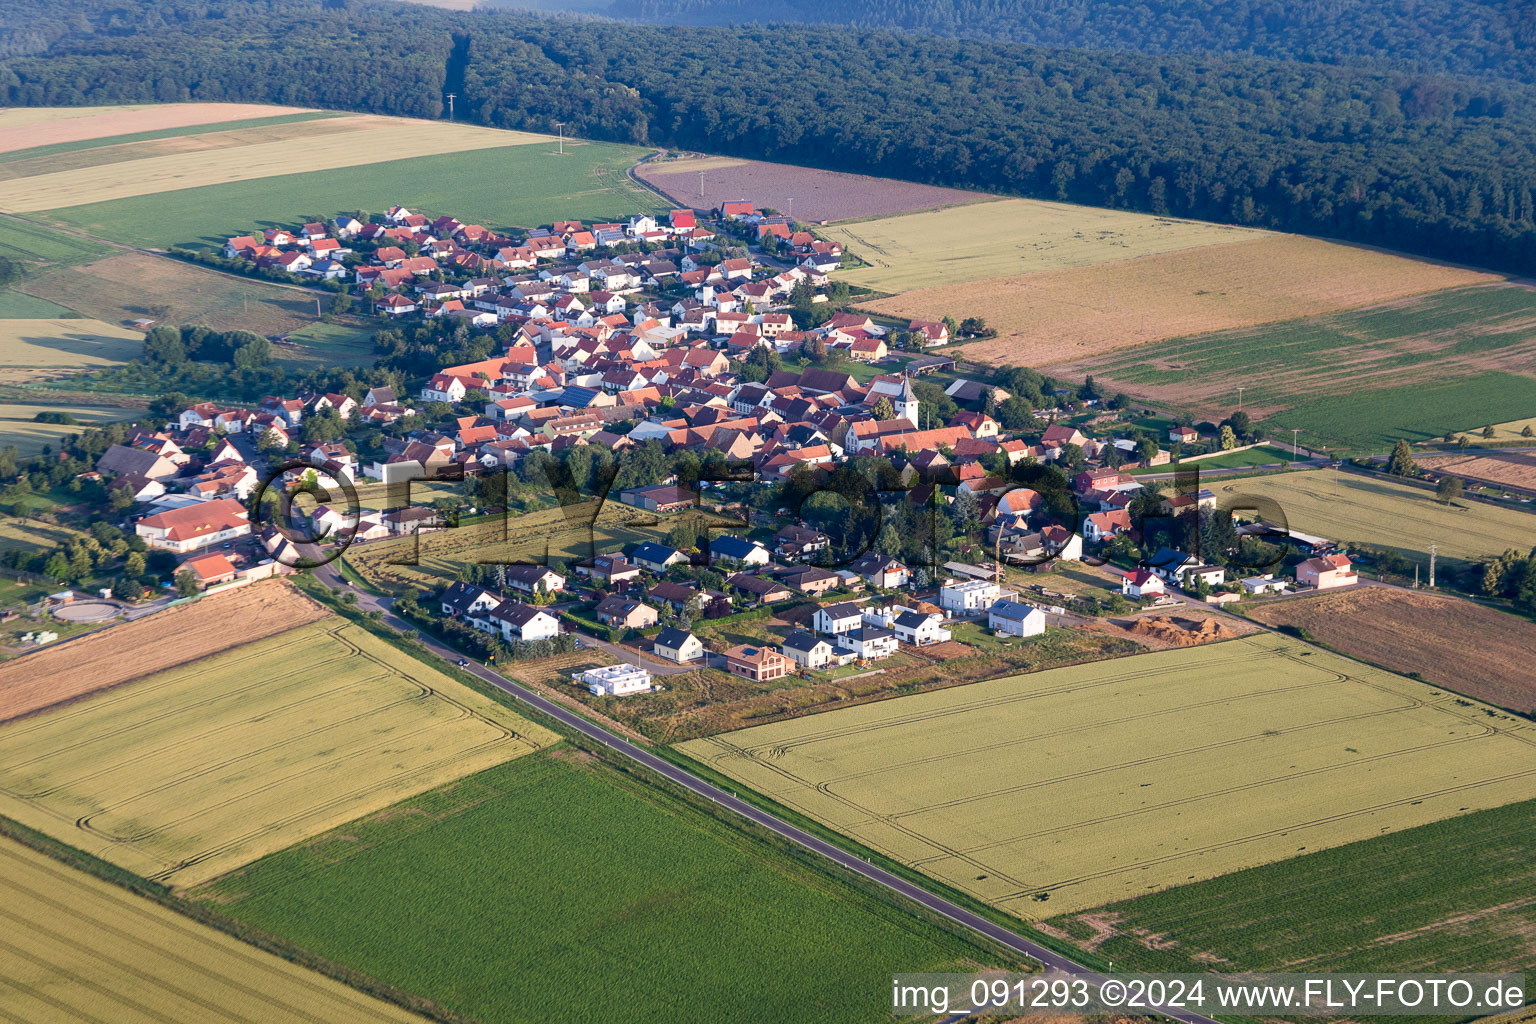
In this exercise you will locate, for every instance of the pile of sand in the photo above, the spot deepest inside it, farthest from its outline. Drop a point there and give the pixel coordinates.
(1181, 632)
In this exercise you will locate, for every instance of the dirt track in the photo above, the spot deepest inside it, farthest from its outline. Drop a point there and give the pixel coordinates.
(161, 641)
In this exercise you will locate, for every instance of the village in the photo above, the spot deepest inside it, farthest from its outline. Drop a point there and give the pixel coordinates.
(713, 335)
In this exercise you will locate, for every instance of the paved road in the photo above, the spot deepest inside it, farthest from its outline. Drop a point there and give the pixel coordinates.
(1019, 944)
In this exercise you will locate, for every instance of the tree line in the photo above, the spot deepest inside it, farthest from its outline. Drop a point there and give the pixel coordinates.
(1434, 164)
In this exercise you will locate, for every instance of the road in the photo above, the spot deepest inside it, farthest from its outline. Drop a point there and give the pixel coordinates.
(1019, 944)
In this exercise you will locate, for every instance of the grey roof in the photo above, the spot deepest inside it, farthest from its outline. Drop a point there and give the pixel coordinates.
(1005, 609)
(841, 611)
(800, 640)
(911, 620)
(865, 633)
(672, 637)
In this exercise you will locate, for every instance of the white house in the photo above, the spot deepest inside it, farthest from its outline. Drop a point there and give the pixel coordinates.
(868, 642)
(806, 650)
(615, 680)
(966, 596)
(1013, 618)
(837, 618)
(678, 645)
(1140, 583)
(515, 621)
(528, 579)
(919, 629)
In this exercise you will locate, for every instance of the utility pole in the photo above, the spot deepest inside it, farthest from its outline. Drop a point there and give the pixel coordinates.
(318, 314)
(450, 105)
(1432, 548)
(791, 207)
(560, 127)
(701, 188)
(1240, 396)
(1295, 454)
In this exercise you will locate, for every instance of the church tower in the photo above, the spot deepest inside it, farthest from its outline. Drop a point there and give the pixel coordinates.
(906, 403)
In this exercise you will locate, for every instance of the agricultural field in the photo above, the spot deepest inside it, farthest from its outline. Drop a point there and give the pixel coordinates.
(1356, 508)
(160, 641)
(1071, 788)
(185, 774)
(1268, 456)
(1509, 432)
(1413, 368)
(564, 867)
(1008, 237)
(1057, 318)
(30, 349)
(35, 246)
(588, 183)
(132, 285)
(58, 126)
(236, 155)
(19, 427)
(17, 306)
(1476, 650)
(1454, 895)
(79, 948)
(818, 195)
(1501, 469)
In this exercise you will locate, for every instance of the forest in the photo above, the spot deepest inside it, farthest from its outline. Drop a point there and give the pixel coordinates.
(1440, 165)
(1472, 38)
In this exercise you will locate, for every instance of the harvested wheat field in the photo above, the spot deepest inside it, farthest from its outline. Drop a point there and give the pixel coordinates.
(47, 126)
(30, 349)
(370, 139)
(1007, 237)
(186, 774)
(1479, 651)
(818, 195)
(131, 285)
(1502, 469)
(151, 644)
(96, 952)
(1070, 788)
(1058, 317)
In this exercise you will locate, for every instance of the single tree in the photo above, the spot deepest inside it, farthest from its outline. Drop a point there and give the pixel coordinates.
(186, 583)
(1448, 489)
(1228, 439)
(1488, 432)
(1401, 462)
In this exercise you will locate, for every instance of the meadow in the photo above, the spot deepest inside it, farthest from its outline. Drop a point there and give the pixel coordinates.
(18, 306)
(31, 535)
(1454, 895)
(35, 245)
(1352, 507)
(1412, 368)
(79, 948)
(150, 135)
(555, 889)
(1075, 787)
(1057, 318)
(1007, 237)
(183, 775)
(19, 426)
(519, 185)
(248, 155)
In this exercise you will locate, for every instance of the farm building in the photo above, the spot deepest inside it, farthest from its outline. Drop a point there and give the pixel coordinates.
(661, 498)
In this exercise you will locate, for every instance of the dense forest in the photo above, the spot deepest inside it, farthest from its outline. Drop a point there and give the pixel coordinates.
(1469, 37)
(1434, 164)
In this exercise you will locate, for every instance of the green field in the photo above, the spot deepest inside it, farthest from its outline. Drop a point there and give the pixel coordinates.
(1352, 507)
(17, 306)
(32, 535)
(1361, 379)
(552, 890)
(1455, 895)
(522, 185)
(80, 949)
(188, 773)
(1263, 456)
(35, 245)
(19, 426)
(329, 344)
(1074, 787)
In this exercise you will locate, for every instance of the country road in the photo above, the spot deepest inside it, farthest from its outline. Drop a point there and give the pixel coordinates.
(1052, 960)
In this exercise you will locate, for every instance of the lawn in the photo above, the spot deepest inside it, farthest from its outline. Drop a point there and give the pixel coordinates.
(185, 774)
(1007, 237)
(1264, 456)
(1352, 507)
(32, 535)
(330, 344)
(80, 949)
(1454, 895)
(1412, 368)
(587, 183)
(1074, 787)
(553, 890)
